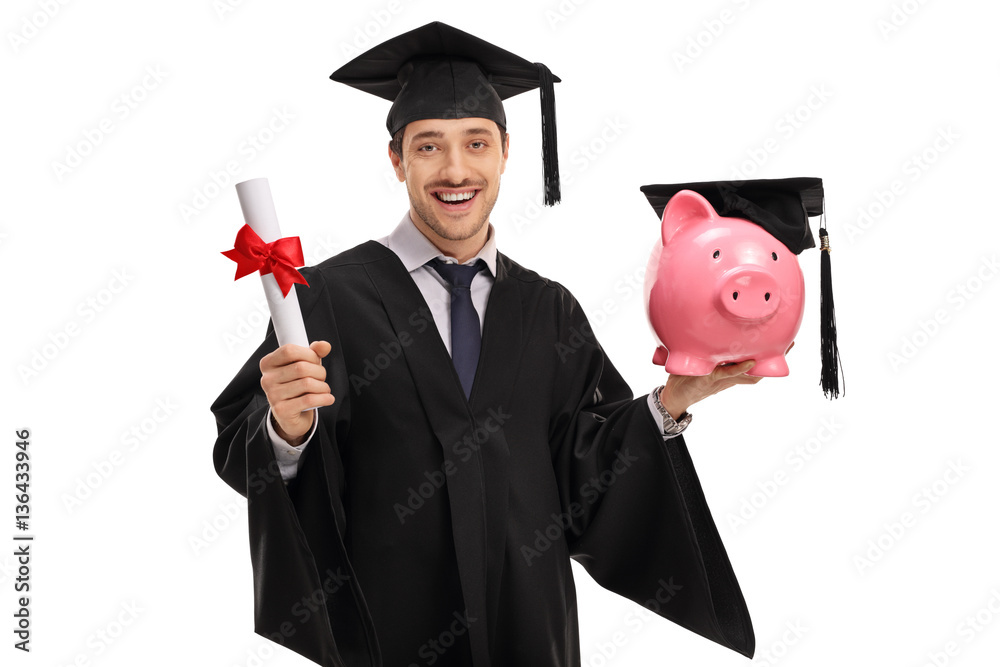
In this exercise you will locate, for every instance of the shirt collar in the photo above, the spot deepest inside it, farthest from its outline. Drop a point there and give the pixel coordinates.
(414, 249)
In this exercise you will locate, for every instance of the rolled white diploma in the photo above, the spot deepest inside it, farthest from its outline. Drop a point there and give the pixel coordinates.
(258, 211)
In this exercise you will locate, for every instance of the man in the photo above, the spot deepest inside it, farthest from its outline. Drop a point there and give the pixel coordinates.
(419, 477)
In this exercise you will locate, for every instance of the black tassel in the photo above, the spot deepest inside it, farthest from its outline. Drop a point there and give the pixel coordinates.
(832, 370)
(550, 157)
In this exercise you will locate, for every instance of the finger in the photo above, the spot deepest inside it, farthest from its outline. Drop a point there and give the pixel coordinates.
(722, 372)
(296, 371)
(321, 348)
(288, 354)
(742, 378)
(290, 390)
(278, 383)
(290, 411)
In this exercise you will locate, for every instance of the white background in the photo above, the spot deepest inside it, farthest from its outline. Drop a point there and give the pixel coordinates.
(117, 304)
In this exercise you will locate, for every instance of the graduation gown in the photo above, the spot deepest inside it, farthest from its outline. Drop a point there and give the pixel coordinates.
(424, 528)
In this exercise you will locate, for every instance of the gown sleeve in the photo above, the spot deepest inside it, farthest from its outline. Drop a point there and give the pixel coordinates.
(320, 615)
(641, 526)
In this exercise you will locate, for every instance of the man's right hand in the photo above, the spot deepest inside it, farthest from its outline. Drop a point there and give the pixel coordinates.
(293, 378)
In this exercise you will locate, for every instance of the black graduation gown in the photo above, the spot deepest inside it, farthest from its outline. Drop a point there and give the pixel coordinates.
(423, 528)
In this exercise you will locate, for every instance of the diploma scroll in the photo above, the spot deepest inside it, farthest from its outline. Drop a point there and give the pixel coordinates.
(258, 211)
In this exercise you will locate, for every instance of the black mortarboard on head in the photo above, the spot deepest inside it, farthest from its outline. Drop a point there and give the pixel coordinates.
(437, 71)
(782, 207)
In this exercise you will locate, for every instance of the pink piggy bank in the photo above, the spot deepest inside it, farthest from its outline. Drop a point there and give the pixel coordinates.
(720, 290)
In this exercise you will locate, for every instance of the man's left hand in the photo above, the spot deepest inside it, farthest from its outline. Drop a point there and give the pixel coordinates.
(683, 391)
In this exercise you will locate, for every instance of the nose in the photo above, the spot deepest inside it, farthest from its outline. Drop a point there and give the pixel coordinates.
(455, 167)
(748, 293)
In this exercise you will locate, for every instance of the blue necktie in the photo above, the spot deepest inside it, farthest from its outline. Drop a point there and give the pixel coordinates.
(466, 337)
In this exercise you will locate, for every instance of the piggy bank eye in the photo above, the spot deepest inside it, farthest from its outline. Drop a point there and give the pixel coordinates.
(774, 256)
(715, 255)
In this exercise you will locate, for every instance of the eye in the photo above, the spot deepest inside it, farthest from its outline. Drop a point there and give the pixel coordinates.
(716, 254)
(478, 144)
(774, 256)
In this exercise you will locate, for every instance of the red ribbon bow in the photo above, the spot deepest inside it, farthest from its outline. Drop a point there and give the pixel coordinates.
(279, 257)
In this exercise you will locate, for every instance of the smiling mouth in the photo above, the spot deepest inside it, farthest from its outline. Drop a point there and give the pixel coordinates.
(456, 201)
(455, 197)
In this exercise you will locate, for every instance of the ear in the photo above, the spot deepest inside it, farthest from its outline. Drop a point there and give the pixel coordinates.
(684, 208)
(506, 148)
(397, 165)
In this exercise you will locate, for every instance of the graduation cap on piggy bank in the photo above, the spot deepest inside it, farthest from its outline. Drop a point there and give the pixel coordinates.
(724, 283)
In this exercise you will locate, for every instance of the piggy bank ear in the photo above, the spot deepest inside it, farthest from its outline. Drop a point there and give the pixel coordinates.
(684, 208)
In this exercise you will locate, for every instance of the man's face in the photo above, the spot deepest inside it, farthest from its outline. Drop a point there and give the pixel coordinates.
(452, 172)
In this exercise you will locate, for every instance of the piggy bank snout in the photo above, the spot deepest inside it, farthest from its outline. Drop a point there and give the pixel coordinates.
(749, 293)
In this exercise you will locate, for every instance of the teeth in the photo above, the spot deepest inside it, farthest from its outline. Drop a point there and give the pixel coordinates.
(456, 196)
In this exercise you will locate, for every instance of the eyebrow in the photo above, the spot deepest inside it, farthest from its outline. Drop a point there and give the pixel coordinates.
(436, 134)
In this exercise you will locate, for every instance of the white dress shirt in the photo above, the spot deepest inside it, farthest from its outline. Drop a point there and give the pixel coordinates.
(414, 251)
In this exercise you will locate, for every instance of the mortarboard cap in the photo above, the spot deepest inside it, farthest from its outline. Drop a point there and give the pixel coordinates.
(782, 206)
(437, 71)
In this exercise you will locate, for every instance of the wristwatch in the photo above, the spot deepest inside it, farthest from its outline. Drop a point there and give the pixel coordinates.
(670, 425)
